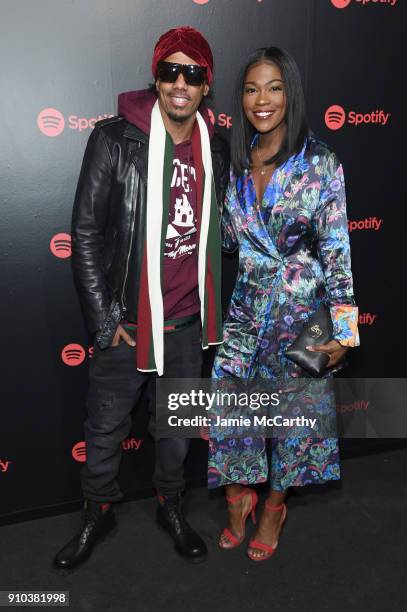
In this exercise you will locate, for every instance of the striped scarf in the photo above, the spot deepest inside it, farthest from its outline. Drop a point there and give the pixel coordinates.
(150, 319)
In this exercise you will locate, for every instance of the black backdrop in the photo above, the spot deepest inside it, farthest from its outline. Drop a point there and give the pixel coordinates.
(62, 65)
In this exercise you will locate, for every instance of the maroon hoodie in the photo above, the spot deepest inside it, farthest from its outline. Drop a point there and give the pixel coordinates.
(180, 269)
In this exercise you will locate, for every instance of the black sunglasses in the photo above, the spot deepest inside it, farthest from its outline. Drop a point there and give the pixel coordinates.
(192, 73)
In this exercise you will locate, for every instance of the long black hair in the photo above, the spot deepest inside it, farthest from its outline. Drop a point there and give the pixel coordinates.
(297, 127)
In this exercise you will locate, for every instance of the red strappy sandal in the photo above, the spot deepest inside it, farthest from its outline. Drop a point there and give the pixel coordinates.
(233, 540)
(257, 545)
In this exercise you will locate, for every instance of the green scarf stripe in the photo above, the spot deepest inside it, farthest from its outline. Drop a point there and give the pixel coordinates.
(151, 356)
(214, 250)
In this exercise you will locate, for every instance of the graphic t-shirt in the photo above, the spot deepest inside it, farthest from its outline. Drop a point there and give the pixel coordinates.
(180, 272)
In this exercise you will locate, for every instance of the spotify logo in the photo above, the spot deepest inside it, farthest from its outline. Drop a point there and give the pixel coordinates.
(73, 354)
(341, 4)
(51, 122)
(60, 245)
(223, 120)
(335, 117)
(79, 452)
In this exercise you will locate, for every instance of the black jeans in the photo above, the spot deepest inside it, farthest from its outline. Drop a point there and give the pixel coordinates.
(115, 387)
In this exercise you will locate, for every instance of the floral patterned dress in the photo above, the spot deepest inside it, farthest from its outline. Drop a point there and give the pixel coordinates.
(294, 253)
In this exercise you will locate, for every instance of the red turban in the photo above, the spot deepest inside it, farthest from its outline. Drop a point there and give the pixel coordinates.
(188, 41)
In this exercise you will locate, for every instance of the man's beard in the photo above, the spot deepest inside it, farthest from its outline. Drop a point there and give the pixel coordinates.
(178, 118)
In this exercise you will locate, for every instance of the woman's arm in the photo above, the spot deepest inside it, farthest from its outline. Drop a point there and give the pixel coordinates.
(331, 227)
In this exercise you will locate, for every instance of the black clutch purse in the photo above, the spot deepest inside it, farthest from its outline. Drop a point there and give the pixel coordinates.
(317, 330)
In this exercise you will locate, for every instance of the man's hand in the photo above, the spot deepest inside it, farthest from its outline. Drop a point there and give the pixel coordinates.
(122, 336)
(334, 349)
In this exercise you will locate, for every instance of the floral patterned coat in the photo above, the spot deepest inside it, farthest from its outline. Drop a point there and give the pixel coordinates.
(293, 253)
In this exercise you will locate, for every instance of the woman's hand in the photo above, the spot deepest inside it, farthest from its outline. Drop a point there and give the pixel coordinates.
(333, 348)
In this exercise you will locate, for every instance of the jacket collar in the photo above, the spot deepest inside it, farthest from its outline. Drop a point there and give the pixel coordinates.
(133, 133)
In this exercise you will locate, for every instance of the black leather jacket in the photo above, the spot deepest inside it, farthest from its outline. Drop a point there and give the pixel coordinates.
(109, 217)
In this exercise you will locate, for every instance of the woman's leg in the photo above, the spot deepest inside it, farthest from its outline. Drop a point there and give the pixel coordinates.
(234, 460)
(237, 511)
(270, 524)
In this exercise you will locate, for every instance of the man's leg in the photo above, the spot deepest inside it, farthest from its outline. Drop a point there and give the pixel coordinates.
(114, 388)
(182, 359)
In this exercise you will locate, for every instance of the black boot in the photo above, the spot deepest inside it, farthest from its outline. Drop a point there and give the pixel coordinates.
(97, 524)
(187, 542)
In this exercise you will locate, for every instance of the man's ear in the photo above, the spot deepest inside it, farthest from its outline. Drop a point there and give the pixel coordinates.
(156, 85)
(206, 89)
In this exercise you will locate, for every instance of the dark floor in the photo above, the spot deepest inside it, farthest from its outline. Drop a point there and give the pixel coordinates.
(343, 547)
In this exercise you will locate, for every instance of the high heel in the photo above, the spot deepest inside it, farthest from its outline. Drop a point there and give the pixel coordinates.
(266, 548)
(233, 541)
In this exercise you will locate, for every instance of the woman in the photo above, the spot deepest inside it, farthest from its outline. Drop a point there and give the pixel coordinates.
(286, 212)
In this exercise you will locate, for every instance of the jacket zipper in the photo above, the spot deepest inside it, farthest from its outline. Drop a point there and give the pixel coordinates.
(124, 307)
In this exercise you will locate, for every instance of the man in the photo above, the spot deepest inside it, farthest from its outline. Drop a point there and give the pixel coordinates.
(146, 259)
